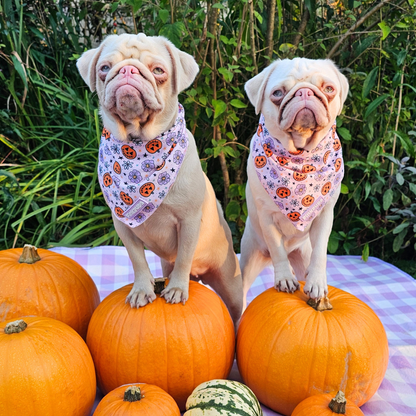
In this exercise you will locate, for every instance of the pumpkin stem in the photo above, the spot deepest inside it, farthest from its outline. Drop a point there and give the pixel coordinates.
(338, 403)
(15, 327)
(29, 255)
(133, 394)
(320, 305)
(160, 284)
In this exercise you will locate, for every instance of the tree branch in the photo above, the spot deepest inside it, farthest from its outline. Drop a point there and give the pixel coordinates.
(252, 39)
(270, 27)
(357, 24)
(302, 27)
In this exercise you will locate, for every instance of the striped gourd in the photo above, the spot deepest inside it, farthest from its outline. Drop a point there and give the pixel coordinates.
(222, 398)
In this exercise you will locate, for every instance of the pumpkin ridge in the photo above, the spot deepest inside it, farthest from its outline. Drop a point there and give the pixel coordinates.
(295, 312)
(119, 336)
(314, 319)
(253, 344)
(345, 378)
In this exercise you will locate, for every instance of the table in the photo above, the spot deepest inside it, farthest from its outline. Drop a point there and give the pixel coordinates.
(390, 292)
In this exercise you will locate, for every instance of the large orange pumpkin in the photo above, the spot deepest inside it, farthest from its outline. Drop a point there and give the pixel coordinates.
(43, 283)
(327, 405)
(45, 369)
(288, 351)
(137, 399)
(173, 346)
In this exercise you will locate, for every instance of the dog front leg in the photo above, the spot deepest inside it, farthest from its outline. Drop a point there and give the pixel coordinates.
(284, 276)
(188, 233)
(316, 286)
(143, 288)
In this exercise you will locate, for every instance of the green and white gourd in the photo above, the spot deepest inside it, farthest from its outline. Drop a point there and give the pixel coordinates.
(222, 398)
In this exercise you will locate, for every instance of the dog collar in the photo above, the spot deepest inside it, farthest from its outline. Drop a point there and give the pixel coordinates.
(300, 183)
(135, 177)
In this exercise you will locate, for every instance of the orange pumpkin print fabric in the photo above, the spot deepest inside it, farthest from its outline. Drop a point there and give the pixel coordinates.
(136, 176)
(299, 182)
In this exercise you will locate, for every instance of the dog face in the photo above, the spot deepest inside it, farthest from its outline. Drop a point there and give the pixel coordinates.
(137, 79)
(299, 99)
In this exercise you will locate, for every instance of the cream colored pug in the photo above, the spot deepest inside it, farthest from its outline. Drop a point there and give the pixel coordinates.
(150, 171)
(294, 170)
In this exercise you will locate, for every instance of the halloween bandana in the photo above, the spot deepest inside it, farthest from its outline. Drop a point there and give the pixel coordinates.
(136, 176)
(300, 183)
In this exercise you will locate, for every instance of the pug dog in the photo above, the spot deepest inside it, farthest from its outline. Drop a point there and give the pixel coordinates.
(150, 172)
(295, 169)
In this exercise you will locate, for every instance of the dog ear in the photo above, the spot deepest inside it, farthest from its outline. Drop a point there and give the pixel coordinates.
(344, 85)
(255, 86)
(184, 67)
(86, 64)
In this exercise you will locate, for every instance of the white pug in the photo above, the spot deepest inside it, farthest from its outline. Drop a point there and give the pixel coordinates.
(150, 171)
(294, 170)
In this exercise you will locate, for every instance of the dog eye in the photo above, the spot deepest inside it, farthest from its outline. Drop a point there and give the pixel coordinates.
(158, 71)
(105, 68)
(278, 93)
(329, 89)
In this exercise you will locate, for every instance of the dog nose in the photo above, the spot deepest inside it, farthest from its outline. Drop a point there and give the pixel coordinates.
(128, 70)
(304, 93)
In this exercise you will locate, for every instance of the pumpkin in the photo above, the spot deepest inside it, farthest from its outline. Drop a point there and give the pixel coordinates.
(173, 346)
(327, 405)
(43, 283)
(288, 350)
(138, 399)
(45, 369)
(222, 397)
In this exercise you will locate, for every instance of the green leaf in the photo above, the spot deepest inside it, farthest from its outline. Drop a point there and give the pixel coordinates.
(366, 252)
(344, 133)
(401, 227)
(137, 4)
(374, 104)
(20, 70)
(233, 210)
(218, 6)
(387, 199)
(369, 81)
(219, 107)
(164, 15)
(399, 178)
(333, 242)
(258, 16)
(412, 187)
(173, 32)
(237, 103)
(202, 99)
(114, 7)
(344, 189)
(398, 241)
(385, 29)
(228, 75)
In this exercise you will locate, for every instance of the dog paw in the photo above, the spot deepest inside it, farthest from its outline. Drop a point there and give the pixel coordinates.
(289, 285)
(141, 295)
(315, 287)
(176, 293)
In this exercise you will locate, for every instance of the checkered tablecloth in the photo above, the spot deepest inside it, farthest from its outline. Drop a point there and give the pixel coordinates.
(390, 292)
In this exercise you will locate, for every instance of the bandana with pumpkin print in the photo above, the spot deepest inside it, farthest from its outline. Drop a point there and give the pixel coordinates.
(300, 183)
(135, 177)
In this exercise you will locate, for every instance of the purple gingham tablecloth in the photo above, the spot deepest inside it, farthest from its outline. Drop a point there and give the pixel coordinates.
(390, 292)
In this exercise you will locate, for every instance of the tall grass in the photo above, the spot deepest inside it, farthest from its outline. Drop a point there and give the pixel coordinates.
(49, 123)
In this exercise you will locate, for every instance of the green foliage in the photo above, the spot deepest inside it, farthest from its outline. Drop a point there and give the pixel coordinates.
(50, 125)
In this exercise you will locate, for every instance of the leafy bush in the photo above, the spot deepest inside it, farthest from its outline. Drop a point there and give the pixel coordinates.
(50, 125)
